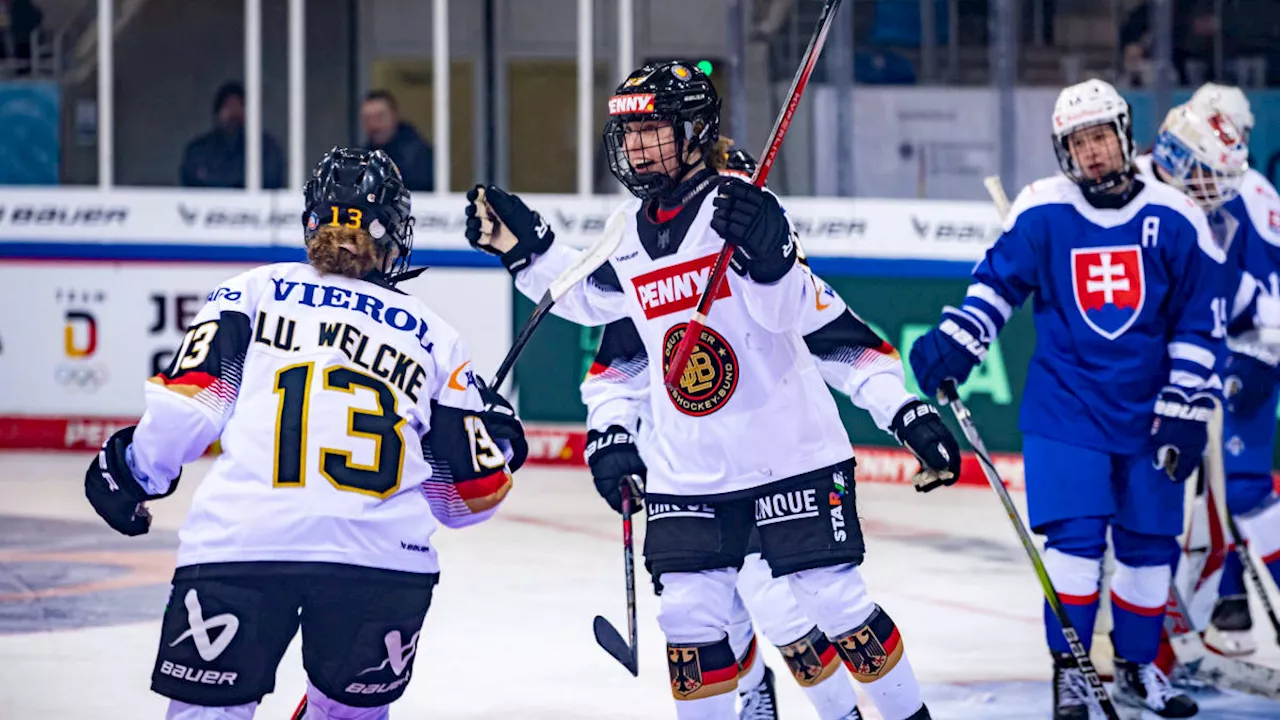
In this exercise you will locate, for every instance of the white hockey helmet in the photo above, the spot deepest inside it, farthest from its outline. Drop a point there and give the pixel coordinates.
(1229, 100)
(1090, 103)
(1200, 152)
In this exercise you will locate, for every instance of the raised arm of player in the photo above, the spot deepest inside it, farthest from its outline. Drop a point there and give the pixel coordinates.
(525, 243)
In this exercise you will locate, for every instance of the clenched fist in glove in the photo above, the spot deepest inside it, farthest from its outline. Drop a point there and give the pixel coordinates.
(114, 492)
(949, 351)
(919, 428)
(753, 222)
(613, 458)
(1180, 430)
(501, 421)
(499, 223)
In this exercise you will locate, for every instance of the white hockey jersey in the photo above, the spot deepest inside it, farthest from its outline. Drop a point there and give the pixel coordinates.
(347, 415)
(752, 408)
(852, 358)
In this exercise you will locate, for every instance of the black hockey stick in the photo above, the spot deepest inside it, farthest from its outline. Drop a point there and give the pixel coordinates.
(607, 635)
(947, 395)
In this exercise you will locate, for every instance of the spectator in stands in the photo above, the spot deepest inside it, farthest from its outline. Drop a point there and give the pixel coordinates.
(216, 158)
(18, 20)
(1193, 27)
(380, 118)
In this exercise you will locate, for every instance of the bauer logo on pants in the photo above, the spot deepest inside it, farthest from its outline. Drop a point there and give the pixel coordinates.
(1109, 287)
(710, 377)
(209, 649)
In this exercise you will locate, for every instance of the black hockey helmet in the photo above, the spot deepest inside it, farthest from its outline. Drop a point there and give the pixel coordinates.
(675, 92)
(361, 188)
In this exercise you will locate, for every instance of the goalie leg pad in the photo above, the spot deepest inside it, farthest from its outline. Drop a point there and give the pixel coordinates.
(1261, 527)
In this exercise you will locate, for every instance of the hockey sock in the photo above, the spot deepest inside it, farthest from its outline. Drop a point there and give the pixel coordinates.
(874, 653)
(1139, 591)
(179, 710)
(750, 668)
(703, 678)
(1073, 559)
(813, 662)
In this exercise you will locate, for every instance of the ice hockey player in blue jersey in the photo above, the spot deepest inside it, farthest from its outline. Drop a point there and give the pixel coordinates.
(1244, 213)
(1127, 282)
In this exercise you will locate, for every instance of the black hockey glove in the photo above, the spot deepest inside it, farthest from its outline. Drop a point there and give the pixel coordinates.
(613, 459)
(113, 491)
(752, 220)
(501, 421)
(1180, 430)
(919, 428)
(516, 225)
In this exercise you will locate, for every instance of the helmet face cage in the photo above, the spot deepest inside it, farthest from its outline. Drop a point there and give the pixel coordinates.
(1087, 105)
(1202, 157)
(1124, 133)
(668, 95)
(358, 188)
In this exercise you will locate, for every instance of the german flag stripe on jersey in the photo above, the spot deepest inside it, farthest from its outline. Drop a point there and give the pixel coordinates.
(485, 492)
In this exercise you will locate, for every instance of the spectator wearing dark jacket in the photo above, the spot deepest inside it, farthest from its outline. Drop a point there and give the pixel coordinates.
(216, 158)
(380, 119)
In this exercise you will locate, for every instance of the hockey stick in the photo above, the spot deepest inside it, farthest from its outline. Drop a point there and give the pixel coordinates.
(948, 395)
(1217, 477)
(607, 635)
(996, 190)
(588, 262)
(693, 330)
(1210, 667)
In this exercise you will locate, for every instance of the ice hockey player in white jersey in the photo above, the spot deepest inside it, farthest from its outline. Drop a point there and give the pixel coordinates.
(752, 437)
(351, 427)
(1202, 150)
(616, 391)
(1128, 292)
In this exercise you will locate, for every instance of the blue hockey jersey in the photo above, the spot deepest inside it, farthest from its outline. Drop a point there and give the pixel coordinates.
(1249, 228)
(1126, 301)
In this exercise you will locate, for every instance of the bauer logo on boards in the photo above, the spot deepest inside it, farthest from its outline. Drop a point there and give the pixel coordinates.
(634, 103)
(676, 287)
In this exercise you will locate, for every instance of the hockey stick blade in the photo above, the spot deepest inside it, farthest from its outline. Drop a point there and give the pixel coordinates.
(608, 637)
(693, 329)
(588, 262)
(1217, 670)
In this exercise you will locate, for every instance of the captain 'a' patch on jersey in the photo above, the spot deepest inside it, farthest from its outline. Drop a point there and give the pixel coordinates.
(1110, 287)
(710, 377)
